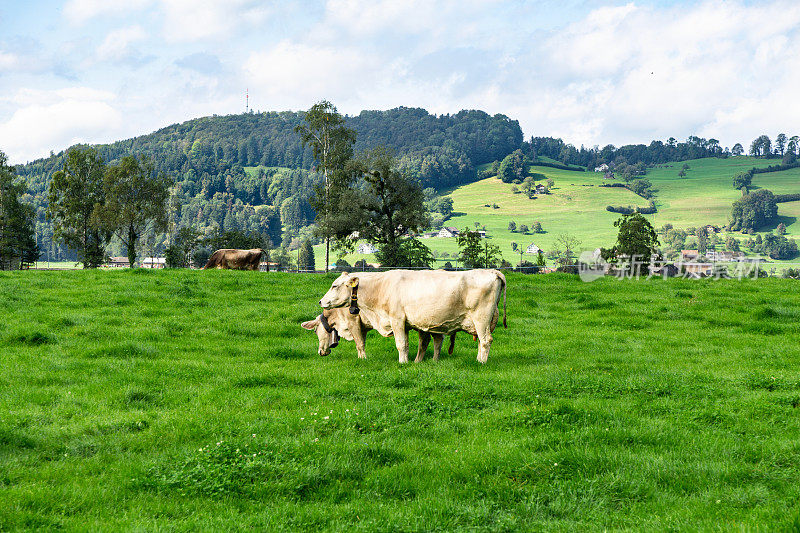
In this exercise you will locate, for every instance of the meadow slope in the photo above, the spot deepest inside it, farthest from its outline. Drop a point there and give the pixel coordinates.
(577, 205)
(194, 400)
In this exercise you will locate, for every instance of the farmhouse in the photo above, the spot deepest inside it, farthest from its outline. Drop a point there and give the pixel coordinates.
(154, 262)
(689, 255)
(366, 248)
(667, 270)
(428, 234)
(533, 249)
(724, 255)
(118, 262)
(698, 270)
(601, 168)
(448, 231)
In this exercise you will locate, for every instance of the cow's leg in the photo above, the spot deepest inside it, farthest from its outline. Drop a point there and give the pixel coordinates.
(360, 338)
(452, 344)
(424, 339)
(437, 345)
(485, 338)
(401, 339)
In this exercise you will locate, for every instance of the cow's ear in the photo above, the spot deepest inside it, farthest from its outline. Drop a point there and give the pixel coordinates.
(311, 324)
(353, 282)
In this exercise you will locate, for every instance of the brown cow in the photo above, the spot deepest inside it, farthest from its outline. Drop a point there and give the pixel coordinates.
(229, 258)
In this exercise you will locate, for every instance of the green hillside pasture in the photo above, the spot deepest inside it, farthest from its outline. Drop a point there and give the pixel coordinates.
(182, 400)
(576, 206)
(705, 195)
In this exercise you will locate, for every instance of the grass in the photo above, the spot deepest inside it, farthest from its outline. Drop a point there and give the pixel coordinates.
(193, 400)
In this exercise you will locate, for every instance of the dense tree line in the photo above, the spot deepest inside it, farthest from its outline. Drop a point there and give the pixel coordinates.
(18, 247)
(252, 173)
(656, 152)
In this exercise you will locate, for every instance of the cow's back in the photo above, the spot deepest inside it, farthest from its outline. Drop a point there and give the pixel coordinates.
(438, 301)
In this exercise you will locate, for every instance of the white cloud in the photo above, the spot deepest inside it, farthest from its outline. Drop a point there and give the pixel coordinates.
(295, 74)
(81, 11)
(193, 20)
(117, 44)
(619, 73)
(51, 120)
(8, 61)
(720, 69)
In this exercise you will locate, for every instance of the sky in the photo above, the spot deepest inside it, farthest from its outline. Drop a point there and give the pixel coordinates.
(590, 72)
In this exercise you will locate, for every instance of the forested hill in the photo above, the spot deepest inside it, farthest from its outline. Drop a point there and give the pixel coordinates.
(250, 172)
(448, 147)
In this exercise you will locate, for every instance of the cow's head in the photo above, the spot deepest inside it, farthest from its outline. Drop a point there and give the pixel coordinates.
(327, 335)
(341, 293)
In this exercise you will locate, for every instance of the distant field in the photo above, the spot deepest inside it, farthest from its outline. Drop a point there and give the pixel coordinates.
(577, 204)
(192, 400)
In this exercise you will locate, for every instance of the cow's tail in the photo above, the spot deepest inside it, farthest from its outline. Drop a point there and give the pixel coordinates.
(212, 261)
(503, 282)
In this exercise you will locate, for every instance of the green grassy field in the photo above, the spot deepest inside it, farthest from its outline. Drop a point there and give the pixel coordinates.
(177, 400)
(577, 204)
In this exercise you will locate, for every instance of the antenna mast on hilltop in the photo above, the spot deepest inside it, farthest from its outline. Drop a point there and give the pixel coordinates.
(247, 100)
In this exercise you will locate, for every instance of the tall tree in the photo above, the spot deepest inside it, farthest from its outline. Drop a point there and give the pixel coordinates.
(389, 205)
(742, 181)
(761, 146)
(18, 246)
(737, 149)
(306, 256)
(780, 143)
(754, 210)
(565, 247)
(469, 244)
(332, 144)
(636, 238)
(74, 198)
(135, 201)
(793, 143)
(702, 240)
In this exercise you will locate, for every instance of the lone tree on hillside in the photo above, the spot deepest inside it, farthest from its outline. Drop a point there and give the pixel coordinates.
(528, 187)
(742, 181)
(753, 210)
(135, 201)
(332, 144)
(512, 168)
(636, 238)
(565, 249)
(75, 198)
(737, 149)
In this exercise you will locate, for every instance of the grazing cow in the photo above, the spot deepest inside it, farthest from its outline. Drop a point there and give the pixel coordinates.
(333, 324)
(232, 259)
(435, 301)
